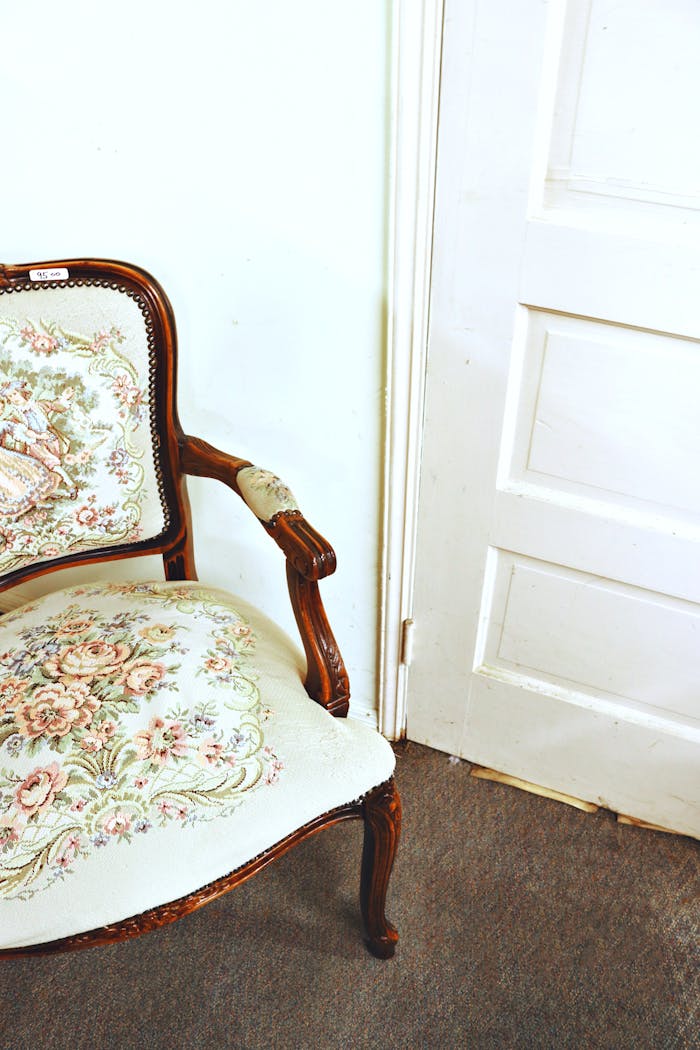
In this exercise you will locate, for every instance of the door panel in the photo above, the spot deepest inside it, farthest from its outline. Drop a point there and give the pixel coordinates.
(557, 600)
(605, 413)
(575, 631)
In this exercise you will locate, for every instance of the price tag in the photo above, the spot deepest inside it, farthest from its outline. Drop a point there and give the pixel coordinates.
(59, 274)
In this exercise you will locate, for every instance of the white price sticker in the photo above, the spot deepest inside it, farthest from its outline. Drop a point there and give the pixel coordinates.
(59, 274)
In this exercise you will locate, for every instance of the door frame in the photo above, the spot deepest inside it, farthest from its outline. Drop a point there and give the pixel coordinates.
(416, 52)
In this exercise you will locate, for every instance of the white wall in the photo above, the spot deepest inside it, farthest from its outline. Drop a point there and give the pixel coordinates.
(238, 152)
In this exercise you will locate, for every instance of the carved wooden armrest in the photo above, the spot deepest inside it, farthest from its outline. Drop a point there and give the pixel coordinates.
(270, 500)
(309, 559)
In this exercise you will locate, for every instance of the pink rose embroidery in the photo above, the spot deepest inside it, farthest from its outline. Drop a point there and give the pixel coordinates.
(157, 633)
(12, 692)
(37, 792)
(99, 342)
(117, 824)
(273, 773)
(88, 660)
(241, 634)
(217, 663)
(43, 344)
(97, 739)
(78, 625)
(141, 676)
(125, 391)
(10, 831)
(209, 751)
(161, 741)
(92, 742)
(54, 710)
(87, 516)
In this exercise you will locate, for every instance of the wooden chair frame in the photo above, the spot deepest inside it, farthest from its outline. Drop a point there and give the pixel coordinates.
(309, 558)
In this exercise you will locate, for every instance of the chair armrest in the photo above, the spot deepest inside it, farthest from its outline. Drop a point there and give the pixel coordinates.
(309, 558)
(269, 499)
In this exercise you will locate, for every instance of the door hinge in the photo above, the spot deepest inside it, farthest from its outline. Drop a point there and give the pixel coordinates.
(407, 634)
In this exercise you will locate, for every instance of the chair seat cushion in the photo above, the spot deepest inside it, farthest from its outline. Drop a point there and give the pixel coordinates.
(154, 737)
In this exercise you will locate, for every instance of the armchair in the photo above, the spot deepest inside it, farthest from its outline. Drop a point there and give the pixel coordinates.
(160, 742)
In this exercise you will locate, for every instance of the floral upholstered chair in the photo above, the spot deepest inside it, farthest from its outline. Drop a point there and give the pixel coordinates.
(159, 743)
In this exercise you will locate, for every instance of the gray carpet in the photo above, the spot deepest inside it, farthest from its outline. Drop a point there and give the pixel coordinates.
(523, 922)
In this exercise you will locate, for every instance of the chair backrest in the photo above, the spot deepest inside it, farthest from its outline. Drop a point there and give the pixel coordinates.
(89, 456)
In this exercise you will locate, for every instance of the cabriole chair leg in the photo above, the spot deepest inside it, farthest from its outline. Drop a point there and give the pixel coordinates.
(382, 816)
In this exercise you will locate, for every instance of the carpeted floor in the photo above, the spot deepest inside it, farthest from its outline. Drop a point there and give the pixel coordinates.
(523, 922)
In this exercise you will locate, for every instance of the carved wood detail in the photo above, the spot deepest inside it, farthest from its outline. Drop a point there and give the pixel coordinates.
(310, 554)
(382, 814)
(200, 458)
(326, 678)
(178, 563)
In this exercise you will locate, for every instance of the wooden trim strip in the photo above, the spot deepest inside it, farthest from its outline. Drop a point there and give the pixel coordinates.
(635, 822)
(481, 773)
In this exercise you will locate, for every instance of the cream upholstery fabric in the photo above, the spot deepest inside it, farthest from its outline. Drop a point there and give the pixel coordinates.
(264, 492)
(77, 470)
(153, 738)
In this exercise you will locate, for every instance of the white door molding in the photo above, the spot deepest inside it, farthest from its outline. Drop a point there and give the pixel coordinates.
(415, 68)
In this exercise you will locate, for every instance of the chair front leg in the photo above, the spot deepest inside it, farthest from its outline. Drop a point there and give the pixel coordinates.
(382, 816)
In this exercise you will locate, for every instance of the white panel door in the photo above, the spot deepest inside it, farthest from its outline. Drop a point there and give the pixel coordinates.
(557, 601)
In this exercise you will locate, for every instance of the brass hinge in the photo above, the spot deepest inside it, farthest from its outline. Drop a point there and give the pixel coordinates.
(407, 634)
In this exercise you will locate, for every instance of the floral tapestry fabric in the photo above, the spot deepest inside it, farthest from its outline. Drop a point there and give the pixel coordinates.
(264, 492)
(76, 463)
(111, 726)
